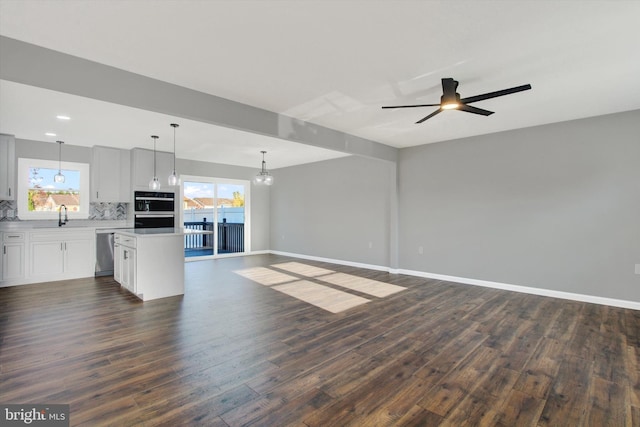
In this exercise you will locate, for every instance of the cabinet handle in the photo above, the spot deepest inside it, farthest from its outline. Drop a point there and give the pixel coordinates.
(125, 254)
(9, 191)
(97, 194)
(4, 249)
(61, 246)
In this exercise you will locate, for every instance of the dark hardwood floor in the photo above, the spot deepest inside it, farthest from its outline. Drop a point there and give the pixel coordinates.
(234, 352)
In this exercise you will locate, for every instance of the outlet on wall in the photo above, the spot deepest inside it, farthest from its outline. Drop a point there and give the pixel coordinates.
(420, 250)
(637, 268)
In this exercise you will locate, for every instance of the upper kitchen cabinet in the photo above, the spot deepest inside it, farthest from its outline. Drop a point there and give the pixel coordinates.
(7, 167)
(110, 175)
(142, 168)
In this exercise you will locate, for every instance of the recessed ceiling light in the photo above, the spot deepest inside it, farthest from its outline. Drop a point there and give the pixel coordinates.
(50, 134)
(63, 117)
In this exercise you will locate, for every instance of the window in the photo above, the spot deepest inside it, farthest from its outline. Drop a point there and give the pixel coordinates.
(215, 214)
(40, 197)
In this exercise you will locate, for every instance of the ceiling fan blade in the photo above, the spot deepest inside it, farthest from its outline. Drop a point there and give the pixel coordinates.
(474, 110)
(411, 106)
(429, 116)
(495, 94)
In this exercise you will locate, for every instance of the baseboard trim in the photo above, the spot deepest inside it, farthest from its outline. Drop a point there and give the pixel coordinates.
(633, 305)
(527, 290)
(332, 261)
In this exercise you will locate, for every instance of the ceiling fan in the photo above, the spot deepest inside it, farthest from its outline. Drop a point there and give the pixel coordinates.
(451, 100)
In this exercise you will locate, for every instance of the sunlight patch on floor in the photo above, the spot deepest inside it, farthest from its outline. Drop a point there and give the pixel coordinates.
(303, 269)
(361, 284)
(265, 276)
(324, 297)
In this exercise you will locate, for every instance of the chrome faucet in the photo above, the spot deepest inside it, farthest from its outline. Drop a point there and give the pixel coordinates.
(66, 218)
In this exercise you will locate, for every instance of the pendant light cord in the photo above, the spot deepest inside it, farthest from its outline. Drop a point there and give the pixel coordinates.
(60, 157)
(174, 125)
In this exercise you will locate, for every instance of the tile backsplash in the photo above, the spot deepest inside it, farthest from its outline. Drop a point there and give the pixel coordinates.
(97, 211)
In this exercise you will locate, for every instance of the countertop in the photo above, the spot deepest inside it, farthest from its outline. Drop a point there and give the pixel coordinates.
(71, 224)
(150, 232)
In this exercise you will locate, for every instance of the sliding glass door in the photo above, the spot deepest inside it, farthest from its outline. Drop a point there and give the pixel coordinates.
(214, 212)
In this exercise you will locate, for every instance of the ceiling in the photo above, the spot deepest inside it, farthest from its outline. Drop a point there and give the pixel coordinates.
(329, 63)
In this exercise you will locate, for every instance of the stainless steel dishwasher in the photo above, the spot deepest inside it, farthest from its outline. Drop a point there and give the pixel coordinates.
(104, 252)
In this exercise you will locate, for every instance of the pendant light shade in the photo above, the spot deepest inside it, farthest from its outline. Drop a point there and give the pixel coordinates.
(154, 184)
(59, 177)
(263, 177)
(173, 178)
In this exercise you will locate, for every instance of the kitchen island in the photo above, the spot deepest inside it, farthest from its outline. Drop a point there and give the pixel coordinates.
(149, 262)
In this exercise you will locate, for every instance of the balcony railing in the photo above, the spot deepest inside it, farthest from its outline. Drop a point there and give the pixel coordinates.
(230, 238)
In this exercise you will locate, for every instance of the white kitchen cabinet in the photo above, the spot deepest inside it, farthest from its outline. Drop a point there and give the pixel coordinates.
(79, 257)
(7, 167)
(150, 265)
(47, 258)
(13, 256)
(125, 265)
(110, 175)
(142, 168)
(61, 254)
(117, 261)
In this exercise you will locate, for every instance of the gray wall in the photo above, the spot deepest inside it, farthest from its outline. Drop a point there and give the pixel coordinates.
(49, 151)
(334, 209)
(554, 207)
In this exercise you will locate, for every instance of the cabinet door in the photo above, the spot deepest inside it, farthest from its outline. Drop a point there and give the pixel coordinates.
(47, 258)
(7, 167)
(105, 175)
(12, 261)
(128, 272)
(78, 257)
(110, 175)
(117, 263)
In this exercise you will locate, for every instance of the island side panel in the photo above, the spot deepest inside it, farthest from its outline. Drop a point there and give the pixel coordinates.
(160, 263)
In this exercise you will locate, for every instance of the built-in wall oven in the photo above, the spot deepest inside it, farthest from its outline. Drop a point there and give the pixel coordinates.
(154, 209)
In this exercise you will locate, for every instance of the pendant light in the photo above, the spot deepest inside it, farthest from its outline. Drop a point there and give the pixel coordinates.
(173, 178)
(263, 177)
(154, 184)
(59, 178)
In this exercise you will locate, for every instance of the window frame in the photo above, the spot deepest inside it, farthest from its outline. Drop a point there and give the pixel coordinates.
(247, 211)
(22, 198)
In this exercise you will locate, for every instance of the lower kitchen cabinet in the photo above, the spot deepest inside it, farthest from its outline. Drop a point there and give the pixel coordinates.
(124, 262)
(13, 256)
(150, 266)
(61, 254)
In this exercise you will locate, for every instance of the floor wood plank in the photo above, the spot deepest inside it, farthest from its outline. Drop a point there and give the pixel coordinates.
(233, 351)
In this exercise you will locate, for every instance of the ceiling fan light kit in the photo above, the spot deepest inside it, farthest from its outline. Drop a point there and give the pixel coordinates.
(451, 100)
